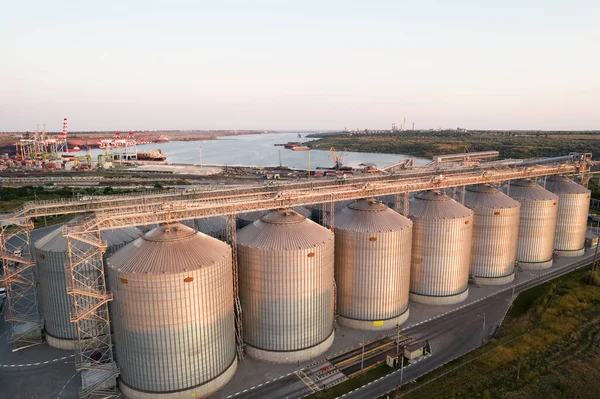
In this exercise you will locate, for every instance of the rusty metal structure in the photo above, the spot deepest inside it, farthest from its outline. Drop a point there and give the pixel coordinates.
(88, 285)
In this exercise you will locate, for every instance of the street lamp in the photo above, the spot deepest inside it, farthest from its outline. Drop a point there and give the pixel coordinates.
(362, 356)
(482, 327)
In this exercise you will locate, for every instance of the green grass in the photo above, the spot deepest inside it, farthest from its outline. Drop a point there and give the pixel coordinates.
(353, 383)
(51, 220)
(428, 144)
(550, 339)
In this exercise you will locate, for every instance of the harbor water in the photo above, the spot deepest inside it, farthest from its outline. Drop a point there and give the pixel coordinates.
(260, 150)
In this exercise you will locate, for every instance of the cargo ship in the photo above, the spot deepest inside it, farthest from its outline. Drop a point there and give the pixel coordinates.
(151, 155)
(162, 139)
(289, 145)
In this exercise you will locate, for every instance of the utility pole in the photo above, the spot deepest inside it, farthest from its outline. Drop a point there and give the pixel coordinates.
(512, 298)
(362, 357)
(397, 339)
(593, 271)
(308, 163)
(401, 367)
(482, 328)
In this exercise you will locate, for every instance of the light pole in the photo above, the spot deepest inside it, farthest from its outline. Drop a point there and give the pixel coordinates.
(402, 366)
(309, 163)
(362, 356)
(482, 327)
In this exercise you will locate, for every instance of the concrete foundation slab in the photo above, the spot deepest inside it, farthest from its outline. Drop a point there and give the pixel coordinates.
(495, 280)
(535, 265)
(201, 391)
(577, 252)
(292, 356)
(373, 325)
(439, 300)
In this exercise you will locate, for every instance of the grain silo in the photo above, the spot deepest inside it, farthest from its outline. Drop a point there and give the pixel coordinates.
(214, 226)
(372, 265)
(537, 225)
(316, 210)
(247, 218)
(173, 314)
(495, 234)
(573, 209)
(51, 257)
(286, 268)
(244, 219)
(441, 249)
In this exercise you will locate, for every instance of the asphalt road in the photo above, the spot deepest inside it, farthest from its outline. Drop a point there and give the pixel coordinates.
(465, 329)
(450, 335)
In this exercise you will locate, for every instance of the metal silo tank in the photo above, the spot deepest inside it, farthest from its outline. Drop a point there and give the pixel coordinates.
(537, 225)
(495, 234)
(316, 210)
(372, 265)
(441, 249)
(173, 314)
(245, 219)
(573, 209)
(286, 269)
(51, 257)
(214, 226)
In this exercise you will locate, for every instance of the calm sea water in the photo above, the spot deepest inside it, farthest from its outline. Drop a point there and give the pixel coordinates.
(259, 150)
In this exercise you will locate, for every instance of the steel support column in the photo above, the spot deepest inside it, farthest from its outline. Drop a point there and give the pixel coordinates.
(239, 327)
(86, 283)
(20, 278)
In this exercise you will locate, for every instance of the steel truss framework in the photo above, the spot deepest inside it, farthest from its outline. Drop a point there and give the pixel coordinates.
(229, 204)
(232, 240)
(86, 272)
(19, 275)
(86, 283)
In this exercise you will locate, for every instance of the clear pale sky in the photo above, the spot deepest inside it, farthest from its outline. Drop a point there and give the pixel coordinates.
(299, 64)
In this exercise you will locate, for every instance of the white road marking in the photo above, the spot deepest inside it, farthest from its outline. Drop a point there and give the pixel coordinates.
(66, 383)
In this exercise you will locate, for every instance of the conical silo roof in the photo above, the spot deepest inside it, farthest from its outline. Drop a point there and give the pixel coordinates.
(563, 185)
(436, 205)
(369, 216)
(169, 249)
(283, 230)
(487, 196)
(56, 242)
(528, 190)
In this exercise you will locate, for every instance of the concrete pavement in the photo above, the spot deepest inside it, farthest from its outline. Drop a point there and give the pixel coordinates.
(451, 330)
(422, 316)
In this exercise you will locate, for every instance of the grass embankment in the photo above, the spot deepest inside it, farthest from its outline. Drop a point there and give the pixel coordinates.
(428, 144)
(548, 347)
(352, 383)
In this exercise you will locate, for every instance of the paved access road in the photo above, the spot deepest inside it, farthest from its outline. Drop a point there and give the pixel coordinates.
(462, 330)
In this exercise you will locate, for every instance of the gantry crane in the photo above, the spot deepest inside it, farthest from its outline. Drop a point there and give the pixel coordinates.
(338, 160)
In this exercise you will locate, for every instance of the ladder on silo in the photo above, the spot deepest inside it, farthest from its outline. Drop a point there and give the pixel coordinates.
(239, 327)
